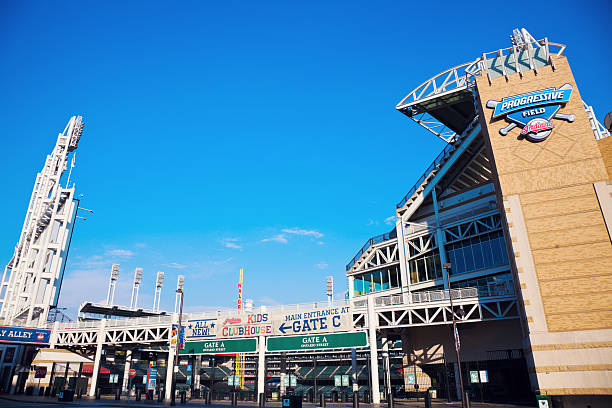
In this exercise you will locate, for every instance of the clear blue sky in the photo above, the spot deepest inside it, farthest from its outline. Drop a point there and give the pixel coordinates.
(261, 135)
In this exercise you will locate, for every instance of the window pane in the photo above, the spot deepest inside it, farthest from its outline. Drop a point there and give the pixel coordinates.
(413, 272)
(477, 251)
(358, 285)
(377, 281)
(422, 270)
(367, 283)
(431, 270)
(385, 279)
(394, 277)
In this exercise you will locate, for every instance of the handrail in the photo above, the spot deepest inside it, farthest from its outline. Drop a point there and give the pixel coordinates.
(374, 240)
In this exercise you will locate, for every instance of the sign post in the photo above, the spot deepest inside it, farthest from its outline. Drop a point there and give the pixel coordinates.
(131, 374)
(41, 372)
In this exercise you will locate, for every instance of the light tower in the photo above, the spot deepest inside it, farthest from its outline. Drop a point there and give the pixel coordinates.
(112, 284)
(136, 287)
(158, 287)
(180, 282)
(33, 277)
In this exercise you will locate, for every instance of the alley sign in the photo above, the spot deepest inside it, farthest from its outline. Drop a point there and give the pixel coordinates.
(220, 346)
(9, 334)
(332, 319)
(317, 341)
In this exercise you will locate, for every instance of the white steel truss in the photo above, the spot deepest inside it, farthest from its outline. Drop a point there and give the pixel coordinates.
(378, 256)
(33, 277)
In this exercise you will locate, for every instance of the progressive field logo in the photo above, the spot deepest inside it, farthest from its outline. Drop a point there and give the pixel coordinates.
(533, 111)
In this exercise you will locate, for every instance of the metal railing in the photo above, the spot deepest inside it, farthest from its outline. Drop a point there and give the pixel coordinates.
(372, 241)
(430, 296)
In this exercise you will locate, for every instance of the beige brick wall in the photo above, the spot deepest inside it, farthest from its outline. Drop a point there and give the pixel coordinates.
(565, 229)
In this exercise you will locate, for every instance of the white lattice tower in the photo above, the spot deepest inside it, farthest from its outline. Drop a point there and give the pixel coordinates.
(32, 279)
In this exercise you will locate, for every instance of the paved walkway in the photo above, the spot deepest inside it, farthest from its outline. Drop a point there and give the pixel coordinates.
(29, 401)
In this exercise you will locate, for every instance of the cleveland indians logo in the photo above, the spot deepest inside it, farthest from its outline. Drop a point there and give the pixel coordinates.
(533, 111)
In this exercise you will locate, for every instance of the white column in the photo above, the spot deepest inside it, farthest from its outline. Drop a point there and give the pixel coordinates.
(457, 383)
(126, 370)
(197, 364)
(53, 336)
(170, 362)
(386, 365)
(96, 367)
(354, 370)
(440, 238)
(372, 323)
(403, 264)
(261, 367)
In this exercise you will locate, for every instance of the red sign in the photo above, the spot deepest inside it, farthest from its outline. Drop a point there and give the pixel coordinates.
(132, 373)
(41, 372)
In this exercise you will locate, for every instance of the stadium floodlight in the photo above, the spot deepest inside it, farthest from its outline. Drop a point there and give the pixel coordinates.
(136, 287)
(180, 283)
(330, 288)
(160, 280)
(158, 287)
(114, 275)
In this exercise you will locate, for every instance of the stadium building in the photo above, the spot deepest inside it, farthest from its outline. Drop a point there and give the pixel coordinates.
(515, 212)
(506, 234)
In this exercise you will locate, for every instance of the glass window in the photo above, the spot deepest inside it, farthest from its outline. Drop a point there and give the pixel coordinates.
(394, 277)
(385, 279)
(358, 285)
(367, 283)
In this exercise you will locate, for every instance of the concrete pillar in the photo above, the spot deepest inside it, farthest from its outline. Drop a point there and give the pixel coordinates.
(261, 367)
(196, 372)
(403, 264)
(386, 364)
(126, 370)
(457, 383)
(53, 336)
(372, 323)
(169, 371)
(440, 238)
(354, 370)
(96, 367)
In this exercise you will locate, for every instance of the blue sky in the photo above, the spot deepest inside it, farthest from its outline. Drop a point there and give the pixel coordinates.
(261, 135)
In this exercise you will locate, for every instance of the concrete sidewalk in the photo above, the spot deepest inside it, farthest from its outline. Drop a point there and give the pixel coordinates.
(29, 401)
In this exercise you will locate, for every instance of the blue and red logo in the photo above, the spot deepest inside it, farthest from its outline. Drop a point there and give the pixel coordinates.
(533, 111)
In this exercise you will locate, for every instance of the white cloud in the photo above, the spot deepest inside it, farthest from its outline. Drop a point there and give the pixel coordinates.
(276, 238)
(322, 265)
(299, 231)
(231, 243)
(140, 245)
(125, 253)
(175, 265)
(390, 220)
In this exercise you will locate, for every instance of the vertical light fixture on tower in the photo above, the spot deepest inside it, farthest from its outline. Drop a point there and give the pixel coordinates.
(329, 284)
(180, 282)
(136, 287)
(114, 275)
(158, 287)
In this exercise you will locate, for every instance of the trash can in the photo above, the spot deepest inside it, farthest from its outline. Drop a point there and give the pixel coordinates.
(291, 401)
(66, 395)
(433, 393)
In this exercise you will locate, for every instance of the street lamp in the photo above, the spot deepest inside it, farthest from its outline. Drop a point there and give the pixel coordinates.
(179, 292)
(447, 268)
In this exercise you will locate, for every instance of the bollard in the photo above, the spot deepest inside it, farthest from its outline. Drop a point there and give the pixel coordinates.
(137, 394)
(468, 403)
(98, 393)
(322, 400)
(183, 397)
(80, 393)
(234, 399)
(117, 394)
(262, 400)
(428, 400)
(355, 400)
(160, 396)
(389, 400)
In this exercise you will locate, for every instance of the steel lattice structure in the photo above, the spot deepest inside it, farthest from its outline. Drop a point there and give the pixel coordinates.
(32, 278)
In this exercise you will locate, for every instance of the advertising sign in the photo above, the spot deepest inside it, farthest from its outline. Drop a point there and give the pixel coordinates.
(411, 379)
(220, 346)
(332, 319)
(345, 380)
(9, 334)
(151, 376)
(244, 325)
(174, 337)
(337, 380)
(200, 329)
(41, 372)
(317, 342)
(474, 378)
(484, 376)
(533, 111)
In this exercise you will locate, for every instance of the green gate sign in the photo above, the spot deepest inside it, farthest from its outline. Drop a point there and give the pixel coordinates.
(220, 346)
(317, 341)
